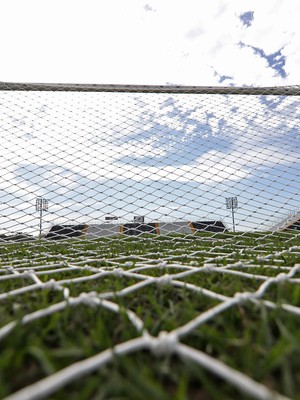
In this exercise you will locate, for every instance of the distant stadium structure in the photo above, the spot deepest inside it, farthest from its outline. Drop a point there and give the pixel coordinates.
(92, 231)
(292, 222)
(58, 232)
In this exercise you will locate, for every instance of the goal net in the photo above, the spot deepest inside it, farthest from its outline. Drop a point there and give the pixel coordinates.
(149, 232)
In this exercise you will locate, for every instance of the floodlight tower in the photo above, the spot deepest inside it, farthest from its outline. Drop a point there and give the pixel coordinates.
(232, 204)
(41, 205)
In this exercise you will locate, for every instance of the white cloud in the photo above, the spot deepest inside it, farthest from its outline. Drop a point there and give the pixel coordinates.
(146, 42)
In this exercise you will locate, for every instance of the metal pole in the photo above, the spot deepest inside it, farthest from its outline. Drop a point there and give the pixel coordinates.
(233, 223)
(41, 205)
(41, 216)
(232, 203)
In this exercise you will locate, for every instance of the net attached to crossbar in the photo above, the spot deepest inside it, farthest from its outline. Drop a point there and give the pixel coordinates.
(151, 233)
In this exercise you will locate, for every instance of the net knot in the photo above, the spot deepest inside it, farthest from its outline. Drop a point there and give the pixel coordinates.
(164, 280)
(52, 284)
(296, 267)
(238, 264)
(28, 273)
(164, 344)
(162, 263)
(128, 264)
(207, 267)
(243, 297)
(194, 264)
(66, 293)
(88, 299)
(281, 277)
(118, 272)
(294, 248)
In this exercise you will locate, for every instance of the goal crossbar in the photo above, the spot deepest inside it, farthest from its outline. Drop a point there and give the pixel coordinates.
(85, 87)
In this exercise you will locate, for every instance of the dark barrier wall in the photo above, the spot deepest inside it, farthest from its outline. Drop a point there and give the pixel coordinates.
(209, 226)
(137, 229)
(66, 231)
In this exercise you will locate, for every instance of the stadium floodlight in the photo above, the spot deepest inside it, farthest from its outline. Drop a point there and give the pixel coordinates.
(232, 204)
(41, 205)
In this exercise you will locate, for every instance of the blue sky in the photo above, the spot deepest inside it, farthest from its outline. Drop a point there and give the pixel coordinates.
(163, 156)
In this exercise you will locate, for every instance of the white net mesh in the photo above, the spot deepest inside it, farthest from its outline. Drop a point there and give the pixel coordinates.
(178, 266)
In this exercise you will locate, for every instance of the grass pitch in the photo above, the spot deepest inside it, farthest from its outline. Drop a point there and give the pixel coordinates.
(152, 284)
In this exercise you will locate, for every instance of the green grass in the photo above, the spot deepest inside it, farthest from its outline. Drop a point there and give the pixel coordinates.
(250, 337)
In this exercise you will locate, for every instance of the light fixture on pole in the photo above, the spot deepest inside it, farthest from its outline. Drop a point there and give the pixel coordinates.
(41, 205)
(232, 204)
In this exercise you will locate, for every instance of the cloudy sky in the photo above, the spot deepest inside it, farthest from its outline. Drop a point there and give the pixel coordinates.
(163, 156)
(156, 42)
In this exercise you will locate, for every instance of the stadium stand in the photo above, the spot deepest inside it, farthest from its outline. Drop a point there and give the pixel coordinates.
(133, 229)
